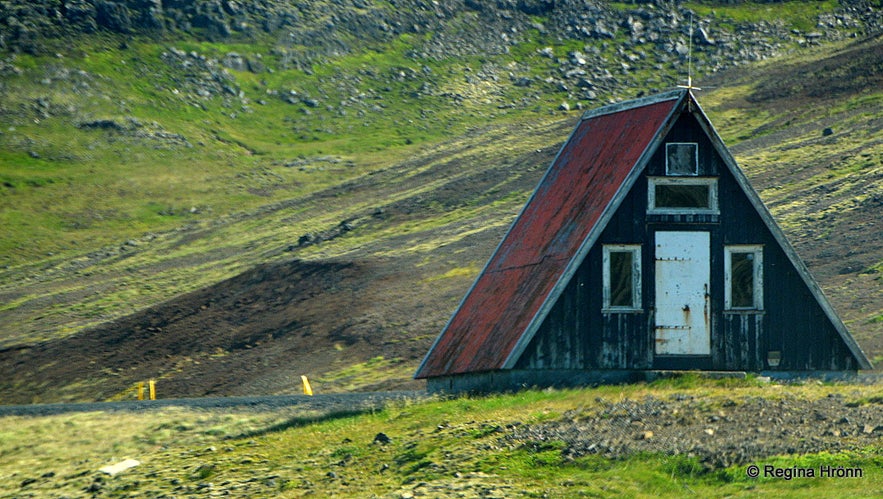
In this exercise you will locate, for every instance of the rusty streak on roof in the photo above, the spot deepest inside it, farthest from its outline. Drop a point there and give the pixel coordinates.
(546, 238)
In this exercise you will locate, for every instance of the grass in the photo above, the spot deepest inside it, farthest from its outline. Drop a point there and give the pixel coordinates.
(362, 374)
(437, 447)
(801, 15)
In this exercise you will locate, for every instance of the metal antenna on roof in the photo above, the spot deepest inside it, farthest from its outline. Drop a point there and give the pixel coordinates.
(689, 86)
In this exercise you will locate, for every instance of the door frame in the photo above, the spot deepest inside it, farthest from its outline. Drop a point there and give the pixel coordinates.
(698, 297)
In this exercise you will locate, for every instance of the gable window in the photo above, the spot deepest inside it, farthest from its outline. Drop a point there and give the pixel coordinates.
(743, 277)
(682, 195)
(682, 158)
(622, 277)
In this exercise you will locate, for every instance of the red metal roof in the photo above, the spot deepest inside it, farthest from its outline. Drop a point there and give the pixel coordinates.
(546, 237)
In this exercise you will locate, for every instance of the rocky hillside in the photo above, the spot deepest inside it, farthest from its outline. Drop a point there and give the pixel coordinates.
(306, 34)
(226, 195)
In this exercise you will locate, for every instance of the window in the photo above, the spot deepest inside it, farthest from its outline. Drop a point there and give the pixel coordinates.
(682, 158)
(743, 280)
(622, 277)
(682, 195)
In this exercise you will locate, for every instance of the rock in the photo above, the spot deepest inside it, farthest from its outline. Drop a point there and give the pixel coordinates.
(95, 486)
(203, 471)
(701, 36)
(578, 58)
(150, 15)
(113, 16)
(115, 469)
(382, 439)
(105, 124)
(827, 132)
(255, 66)
(634, 26)
(682, 49)
(564, 107)
(600, 30)
(81, 14)
(234, 61)
(306, 239)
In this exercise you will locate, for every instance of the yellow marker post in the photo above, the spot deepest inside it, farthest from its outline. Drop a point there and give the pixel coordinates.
(152, 388)
(308, 390)
(140, 390)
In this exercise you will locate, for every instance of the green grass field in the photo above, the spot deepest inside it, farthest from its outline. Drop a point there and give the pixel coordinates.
(437, 448)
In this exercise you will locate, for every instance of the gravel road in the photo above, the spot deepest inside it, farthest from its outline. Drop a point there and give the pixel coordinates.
(324, 403)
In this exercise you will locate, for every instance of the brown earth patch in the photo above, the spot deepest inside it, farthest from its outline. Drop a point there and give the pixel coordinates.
(253, 334)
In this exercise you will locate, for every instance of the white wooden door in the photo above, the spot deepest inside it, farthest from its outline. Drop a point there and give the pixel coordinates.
(682, 293)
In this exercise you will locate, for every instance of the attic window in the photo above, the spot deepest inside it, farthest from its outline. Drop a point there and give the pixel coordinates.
(622, 277)
(682, 158)
(743, 278)
(682, 195)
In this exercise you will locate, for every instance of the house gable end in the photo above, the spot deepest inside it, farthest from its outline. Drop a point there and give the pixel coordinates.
(793, 325)
(608, 192)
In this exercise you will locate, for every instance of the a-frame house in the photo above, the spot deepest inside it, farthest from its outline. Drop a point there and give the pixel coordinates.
(643, 248)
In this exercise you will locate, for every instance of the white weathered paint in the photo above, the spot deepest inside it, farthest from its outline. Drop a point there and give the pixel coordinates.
(682, 293)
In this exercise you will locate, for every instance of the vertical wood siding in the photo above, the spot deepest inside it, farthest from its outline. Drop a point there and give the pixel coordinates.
(577, 335)
(739, 348)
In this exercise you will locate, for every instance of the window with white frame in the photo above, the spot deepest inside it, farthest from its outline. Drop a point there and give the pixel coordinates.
(622, 277)
(682, 158)
(743, 277)
(682, 195)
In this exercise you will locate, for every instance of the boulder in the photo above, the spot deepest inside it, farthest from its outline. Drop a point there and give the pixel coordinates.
(113, 16)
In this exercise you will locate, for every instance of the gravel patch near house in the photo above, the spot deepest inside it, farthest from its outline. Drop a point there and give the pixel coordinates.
(719, 432)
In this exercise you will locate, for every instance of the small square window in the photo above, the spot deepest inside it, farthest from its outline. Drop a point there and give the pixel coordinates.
(622, 277)
(743, 268)
(681, 158)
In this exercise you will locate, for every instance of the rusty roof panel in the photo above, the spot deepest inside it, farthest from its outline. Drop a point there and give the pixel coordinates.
(564, 210)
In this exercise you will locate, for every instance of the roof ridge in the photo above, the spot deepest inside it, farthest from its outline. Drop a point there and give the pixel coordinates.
(635, 103)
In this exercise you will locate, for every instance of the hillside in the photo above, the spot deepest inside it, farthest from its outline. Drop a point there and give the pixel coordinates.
(306, 192)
